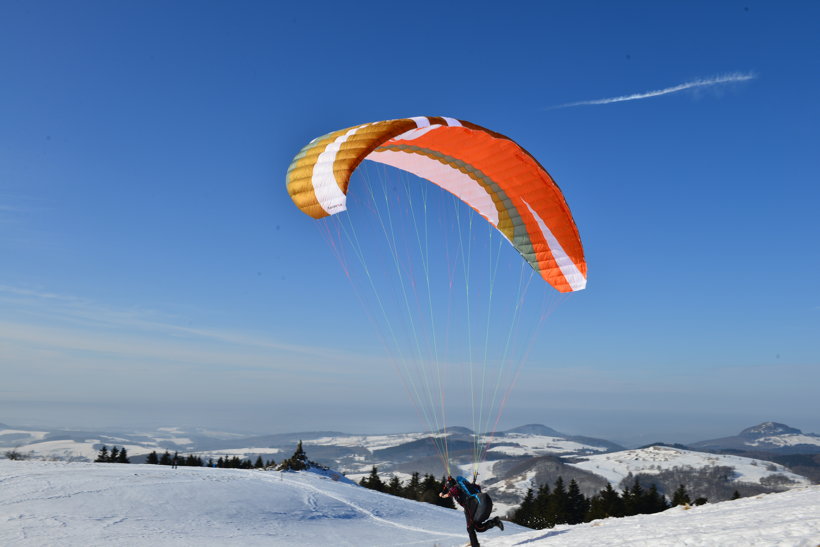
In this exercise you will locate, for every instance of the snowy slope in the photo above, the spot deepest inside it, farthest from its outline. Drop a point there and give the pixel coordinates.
(786, 519)
(617, 465)
(369, 442)
(539, 445)
(57, 503)
(785, 441)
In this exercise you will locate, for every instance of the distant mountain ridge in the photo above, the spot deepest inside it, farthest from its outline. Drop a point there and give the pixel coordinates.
(536, 429)
(768, 429)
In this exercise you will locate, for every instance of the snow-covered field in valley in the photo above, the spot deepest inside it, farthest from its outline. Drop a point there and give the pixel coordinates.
(58, 503)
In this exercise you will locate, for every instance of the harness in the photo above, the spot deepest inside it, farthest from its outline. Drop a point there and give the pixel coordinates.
(464, 485)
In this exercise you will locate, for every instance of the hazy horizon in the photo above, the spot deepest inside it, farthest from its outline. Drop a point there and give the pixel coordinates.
(682, 428)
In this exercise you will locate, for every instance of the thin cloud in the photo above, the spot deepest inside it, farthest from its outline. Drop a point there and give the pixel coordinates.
(66, 323)
(694, 84)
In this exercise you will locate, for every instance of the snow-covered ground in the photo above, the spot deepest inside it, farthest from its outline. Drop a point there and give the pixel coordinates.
(370, 442)
(786, 440)
(58, 503)
(786, 519)
(617, 465)
(21, 435)
(539, 445)
(74, 447)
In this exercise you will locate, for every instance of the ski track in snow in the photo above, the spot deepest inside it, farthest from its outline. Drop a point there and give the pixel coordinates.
(368, 513)
(82, 504)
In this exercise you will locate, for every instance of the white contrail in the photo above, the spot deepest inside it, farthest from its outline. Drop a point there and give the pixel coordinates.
(707, 82)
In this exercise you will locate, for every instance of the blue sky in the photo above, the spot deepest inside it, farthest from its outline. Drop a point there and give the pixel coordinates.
(154, 269)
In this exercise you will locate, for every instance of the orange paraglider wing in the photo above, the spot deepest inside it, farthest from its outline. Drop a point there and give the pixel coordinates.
(488, 171)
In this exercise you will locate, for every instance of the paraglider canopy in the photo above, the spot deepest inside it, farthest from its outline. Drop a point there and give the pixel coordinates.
(488, 171)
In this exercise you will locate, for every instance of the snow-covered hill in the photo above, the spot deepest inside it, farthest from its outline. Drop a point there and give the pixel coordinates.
(714, 476)
(58, 503)
(84, 445)
(770, 437)
(616, 466)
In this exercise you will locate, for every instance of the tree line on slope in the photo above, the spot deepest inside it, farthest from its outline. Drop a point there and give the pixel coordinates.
(547, 507)
(715, 482)
(426, 490)
(297, 462)
(117, 455)
(120, 455)
(563, 504)
(192, 460)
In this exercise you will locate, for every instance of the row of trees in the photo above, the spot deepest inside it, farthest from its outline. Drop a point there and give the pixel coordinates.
(117, 455)
(299, 461)
(418, 489)
(567, 505)
(546, 507)
(192, 460)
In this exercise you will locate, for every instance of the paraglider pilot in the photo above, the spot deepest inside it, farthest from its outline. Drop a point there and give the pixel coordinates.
(477, 506)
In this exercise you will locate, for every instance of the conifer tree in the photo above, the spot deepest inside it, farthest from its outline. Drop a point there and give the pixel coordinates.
(597, 508)
(165, 459)
(557, 505)
(525, 514)
(102, 456)
(373, 481)
(614, 502)
(259, 463)
(681, 497)
(541, 507)
(577, 504)
(655, 502)
(430, 489)
(413, 489)
(607, 503)
(394, 486)
(115, 454)
(298, 462)
(123, 456)
(632, 498)
(152, 458)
